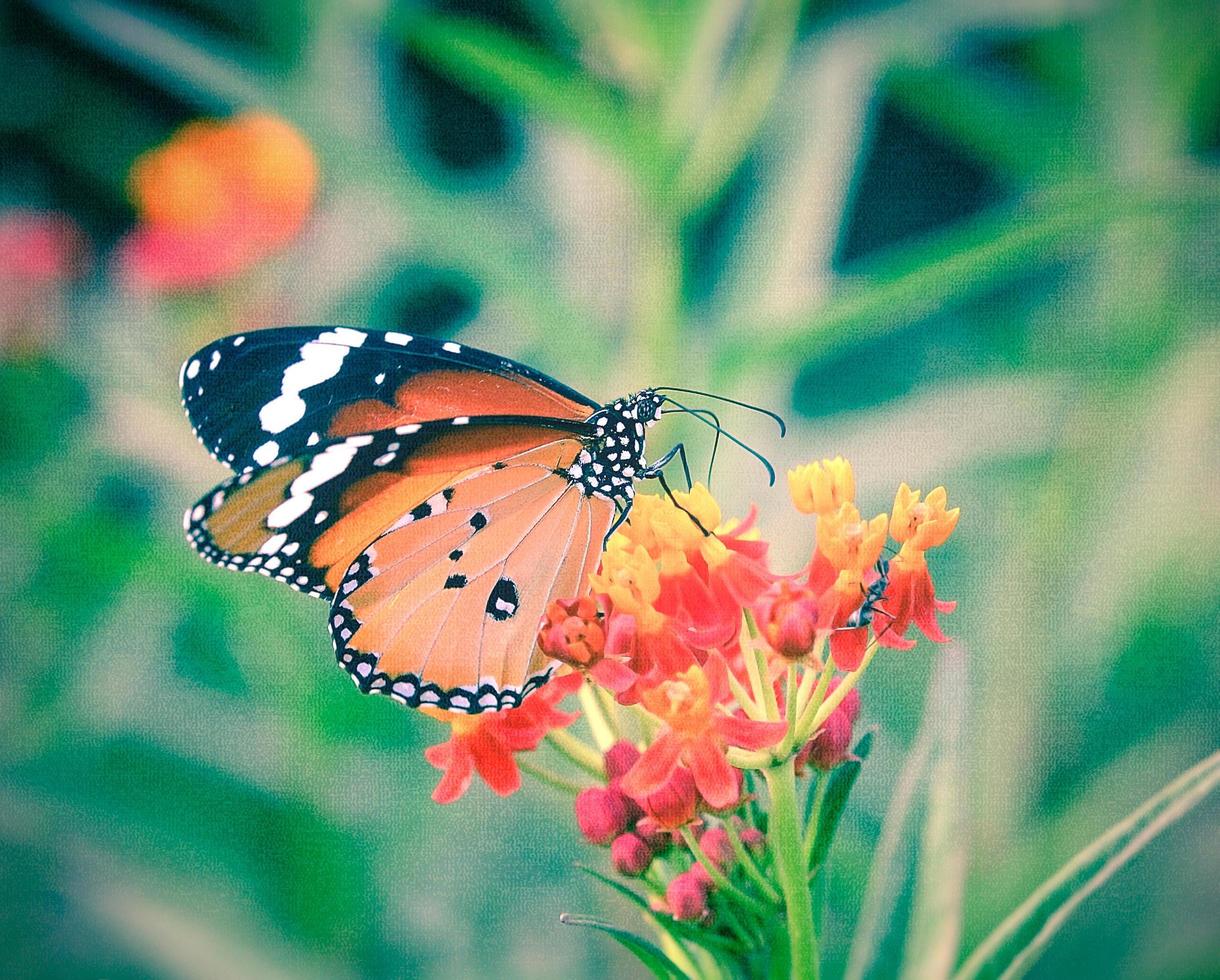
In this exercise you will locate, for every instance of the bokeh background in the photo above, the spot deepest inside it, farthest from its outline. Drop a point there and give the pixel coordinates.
(961, 243)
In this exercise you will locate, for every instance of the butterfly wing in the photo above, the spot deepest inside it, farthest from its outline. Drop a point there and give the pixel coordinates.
(256, 397)
(304, 519)
(443, 610)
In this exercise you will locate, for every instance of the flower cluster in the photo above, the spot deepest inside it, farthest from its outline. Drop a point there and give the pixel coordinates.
(41, 252)
(704, 674)
(216, 198)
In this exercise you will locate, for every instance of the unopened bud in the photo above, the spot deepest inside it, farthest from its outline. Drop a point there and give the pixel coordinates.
(630, 855)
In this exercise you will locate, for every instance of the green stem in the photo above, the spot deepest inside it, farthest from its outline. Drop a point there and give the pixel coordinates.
(585, 756)
(603, 736)
(549, 778)
(722, 883)
(785, 838)
(746, 860)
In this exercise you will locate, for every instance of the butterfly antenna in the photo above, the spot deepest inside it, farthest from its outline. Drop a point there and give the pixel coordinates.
(716, 443)
(728, 435)
(783, 428)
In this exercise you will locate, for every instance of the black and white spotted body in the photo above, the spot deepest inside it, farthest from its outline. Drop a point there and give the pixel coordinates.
(613, 458)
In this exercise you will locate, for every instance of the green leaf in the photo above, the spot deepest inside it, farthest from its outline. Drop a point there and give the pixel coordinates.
(657, 963)
(934, 931)
(1021, 938)
(837, 791)
(513, 72)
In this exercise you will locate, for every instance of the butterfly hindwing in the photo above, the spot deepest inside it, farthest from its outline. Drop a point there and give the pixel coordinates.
(303, 520)
(444, 610)
(256, 397)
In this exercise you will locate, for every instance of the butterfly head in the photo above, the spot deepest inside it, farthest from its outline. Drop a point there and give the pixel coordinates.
(644, 406)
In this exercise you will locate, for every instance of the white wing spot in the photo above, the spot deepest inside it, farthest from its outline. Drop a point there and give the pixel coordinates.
(384, 459)
(192, 369)
(406, 430)
(198, 512)
(238, 341)
(214, 361)
(462, 420)
(379, 378)
(452, 348)
(322, 515)
(265, 453)
(272, 545)
(402, 339)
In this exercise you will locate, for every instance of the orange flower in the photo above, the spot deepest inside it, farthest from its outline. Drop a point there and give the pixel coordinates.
(486, 743)
(697, 733)
(822, 488)
(663, 570)
(216, 198)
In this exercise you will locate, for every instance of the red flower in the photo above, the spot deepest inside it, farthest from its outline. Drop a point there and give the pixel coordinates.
(485, 743)
(573, 632)
(698, 731)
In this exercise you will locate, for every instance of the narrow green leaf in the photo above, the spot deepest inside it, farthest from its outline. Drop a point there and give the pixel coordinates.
(934, 931)
(1021, 938)
(837, 792)
(656, 962)
(511, 71)
(891, 860)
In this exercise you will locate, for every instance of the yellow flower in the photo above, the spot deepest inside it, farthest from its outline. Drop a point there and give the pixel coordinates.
(822, 488)
(849, 543)
(920, 525)
(629, 577)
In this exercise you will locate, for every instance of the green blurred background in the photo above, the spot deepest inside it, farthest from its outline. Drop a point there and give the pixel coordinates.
(960, 243)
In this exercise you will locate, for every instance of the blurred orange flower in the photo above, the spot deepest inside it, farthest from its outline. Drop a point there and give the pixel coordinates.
(218, 197)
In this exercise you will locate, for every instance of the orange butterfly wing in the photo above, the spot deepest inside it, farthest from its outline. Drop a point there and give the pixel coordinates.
(443, 610)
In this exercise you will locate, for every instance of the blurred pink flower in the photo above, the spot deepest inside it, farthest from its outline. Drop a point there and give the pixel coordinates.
(40, 251)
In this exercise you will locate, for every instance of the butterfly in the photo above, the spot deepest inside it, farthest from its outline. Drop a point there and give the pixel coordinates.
(437, 496)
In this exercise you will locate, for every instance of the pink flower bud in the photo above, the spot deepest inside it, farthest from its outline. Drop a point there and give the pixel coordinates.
(630, 855)
(602, 814)
(674, 803)
(620, 757)
(753, 839)
(788, 618)
(716, 848)
(653, 834)
(831, 744)
(686, 897)
(701, 875)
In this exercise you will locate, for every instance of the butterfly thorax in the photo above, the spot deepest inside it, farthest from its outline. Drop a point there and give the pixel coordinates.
(613, 456)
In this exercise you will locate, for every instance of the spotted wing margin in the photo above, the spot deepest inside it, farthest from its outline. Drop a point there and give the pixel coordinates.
(303, 520)
(255, 397)
(443, 611)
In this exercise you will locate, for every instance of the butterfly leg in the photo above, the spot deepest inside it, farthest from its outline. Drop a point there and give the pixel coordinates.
(655, 469)
(621, 512)
(660, 478)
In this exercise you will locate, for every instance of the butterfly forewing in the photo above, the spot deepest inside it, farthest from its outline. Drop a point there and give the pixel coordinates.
(261, 396)
(303, 520)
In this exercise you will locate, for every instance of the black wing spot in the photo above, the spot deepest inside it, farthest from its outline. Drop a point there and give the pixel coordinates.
(502, 603)
(422, 511)
(455, 554)
(498, 466)
(447, 493)
(455, 581)
(479, 520)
